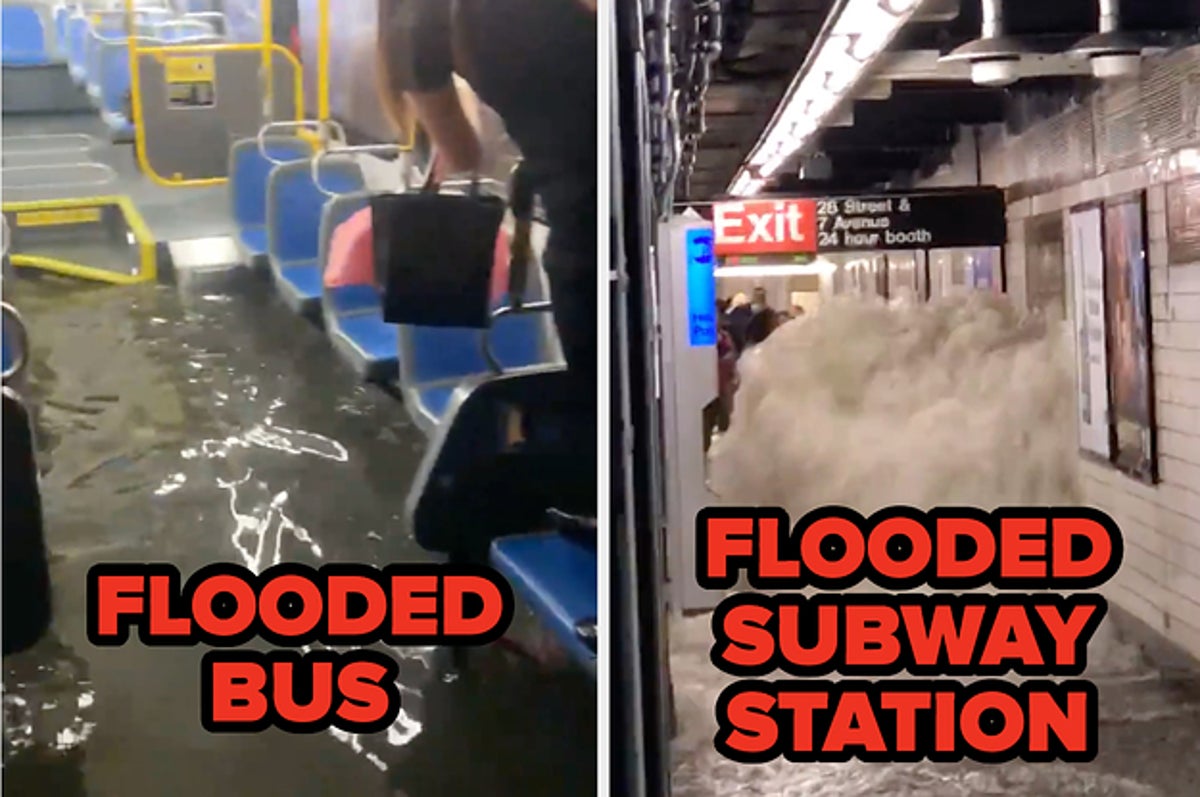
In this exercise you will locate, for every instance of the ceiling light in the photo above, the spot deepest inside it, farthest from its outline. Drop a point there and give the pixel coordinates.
(746, 184)
(994, 57)
(1115, 53)
(845, 48)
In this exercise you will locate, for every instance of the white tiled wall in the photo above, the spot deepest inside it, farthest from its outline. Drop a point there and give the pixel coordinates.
(1160, 580)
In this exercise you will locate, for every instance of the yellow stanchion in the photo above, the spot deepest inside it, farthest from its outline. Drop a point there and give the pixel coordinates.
(323, 60)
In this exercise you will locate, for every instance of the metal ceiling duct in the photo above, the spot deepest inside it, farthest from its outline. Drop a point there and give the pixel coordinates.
(994, 56)
(1115, 53)
(937, 11)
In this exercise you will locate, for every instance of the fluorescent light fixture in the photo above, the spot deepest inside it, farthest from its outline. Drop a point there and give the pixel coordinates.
(1187, 162)
(846, 46)
(745, 184)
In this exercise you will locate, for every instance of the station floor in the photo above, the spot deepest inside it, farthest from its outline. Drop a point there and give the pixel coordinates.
(190, 428)
(1149, 741)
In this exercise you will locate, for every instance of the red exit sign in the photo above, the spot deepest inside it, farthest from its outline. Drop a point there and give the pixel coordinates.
(766, 226)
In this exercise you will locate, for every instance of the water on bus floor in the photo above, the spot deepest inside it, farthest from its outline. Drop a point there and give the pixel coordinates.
(960, 402)
(222, 428)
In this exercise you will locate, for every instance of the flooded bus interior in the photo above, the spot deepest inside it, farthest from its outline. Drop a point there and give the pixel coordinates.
(203, 364)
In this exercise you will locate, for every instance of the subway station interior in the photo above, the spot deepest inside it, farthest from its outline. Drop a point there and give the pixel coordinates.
(942, 253)
(864, 253)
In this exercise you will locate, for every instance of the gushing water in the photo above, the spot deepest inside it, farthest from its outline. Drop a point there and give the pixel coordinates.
(962, 401)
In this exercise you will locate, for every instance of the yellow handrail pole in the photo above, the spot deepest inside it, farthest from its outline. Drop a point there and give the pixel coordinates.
(268, 66)
(323, 60)
(135, 83)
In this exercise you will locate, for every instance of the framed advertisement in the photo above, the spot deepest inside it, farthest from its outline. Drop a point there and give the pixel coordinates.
(1131, 372)
(1091, 337)
(1183, 221)
(1045, 277)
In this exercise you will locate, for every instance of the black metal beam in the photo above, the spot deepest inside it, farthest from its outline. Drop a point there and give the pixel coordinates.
(946, 106)
(915, 136)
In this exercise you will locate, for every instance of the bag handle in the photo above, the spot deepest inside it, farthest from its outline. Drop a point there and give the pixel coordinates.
(521, 196)
(433, 183)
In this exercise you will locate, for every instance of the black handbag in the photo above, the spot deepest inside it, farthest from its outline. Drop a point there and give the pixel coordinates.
(434, 254)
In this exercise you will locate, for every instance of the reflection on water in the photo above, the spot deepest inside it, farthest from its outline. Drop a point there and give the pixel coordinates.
(266, 435)
(48, 704)
(257, 524)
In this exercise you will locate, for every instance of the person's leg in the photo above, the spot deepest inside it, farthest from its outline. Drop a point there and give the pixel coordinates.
(573, 293)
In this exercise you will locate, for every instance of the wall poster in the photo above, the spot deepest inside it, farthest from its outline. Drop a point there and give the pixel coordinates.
(1183, 221)
(1045, 274)
(1127, 295)
(1087, 248)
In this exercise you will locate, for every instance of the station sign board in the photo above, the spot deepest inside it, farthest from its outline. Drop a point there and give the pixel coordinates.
(701, 289)
(953, 219)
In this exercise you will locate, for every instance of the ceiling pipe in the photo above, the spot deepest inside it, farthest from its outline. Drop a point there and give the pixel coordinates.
(993, 20)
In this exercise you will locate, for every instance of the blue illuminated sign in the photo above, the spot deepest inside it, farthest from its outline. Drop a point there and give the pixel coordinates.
(701, 288)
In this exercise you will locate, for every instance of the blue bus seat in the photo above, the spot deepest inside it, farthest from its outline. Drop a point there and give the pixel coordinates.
(353, 313)
(77, 36)
(435, 360)
(22, 37)
(477, 483)
(115, 86)
(249, 172)
(295, 207)
(100, 38)
(62, 15)
(353, 300)
(369, 345)
(557, 577)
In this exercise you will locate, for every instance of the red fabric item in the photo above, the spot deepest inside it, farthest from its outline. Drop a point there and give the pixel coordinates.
(726, 366)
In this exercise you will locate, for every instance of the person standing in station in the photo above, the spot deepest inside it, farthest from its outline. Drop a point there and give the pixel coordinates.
(738, 317)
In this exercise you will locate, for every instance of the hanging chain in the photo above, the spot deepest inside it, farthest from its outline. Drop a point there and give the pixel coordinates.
(683, 42)
(663, 126)
(699, 50)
